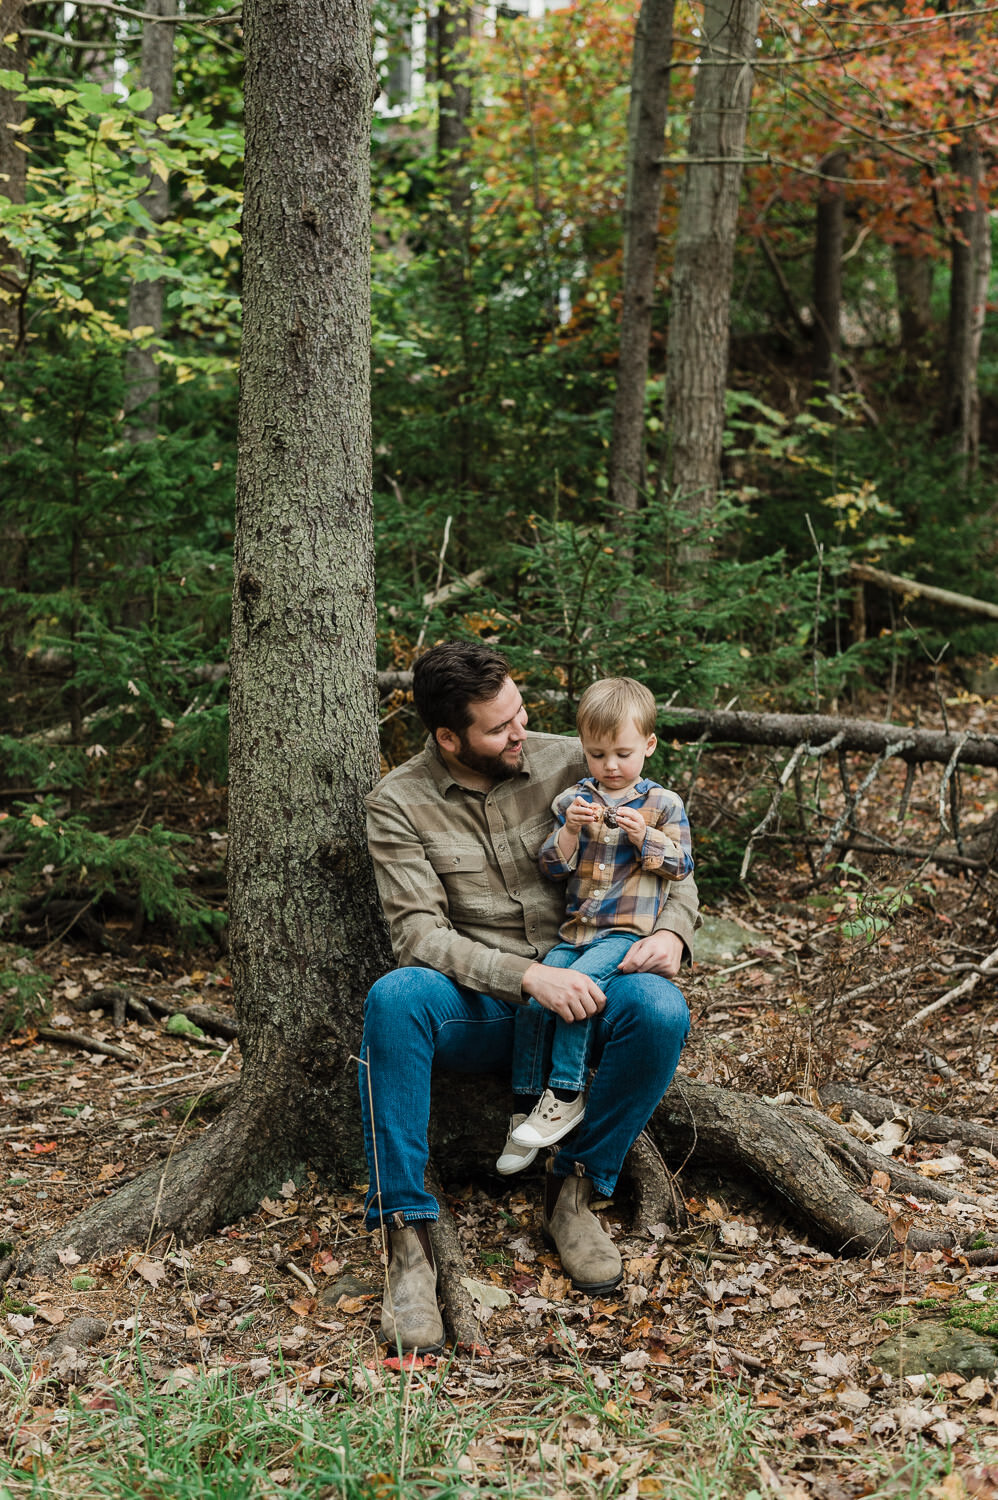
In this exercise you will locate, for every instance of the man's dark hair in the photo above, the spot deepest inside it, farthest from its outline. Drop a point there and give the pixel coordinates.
(449, 678)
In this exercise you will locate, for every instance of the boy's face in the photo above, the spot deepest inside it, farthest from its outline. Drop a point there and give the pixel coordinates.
(616, 760)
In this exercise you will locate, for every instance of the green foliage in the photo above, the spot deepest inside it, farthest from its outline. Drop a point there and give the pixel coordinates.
(868, 908)
(62, 854)
(23, 991)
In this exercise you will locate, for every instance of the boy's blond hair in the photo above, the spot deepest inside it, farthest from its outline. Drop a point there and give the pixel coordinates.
(605, 706)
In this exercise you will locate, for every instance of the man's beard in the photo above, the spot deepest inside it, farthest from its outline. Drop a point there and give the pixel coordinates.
(488, 765)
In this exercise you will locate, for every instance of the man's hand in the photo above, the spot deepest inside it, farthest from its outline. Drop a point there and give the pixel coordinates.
(565, 992)
(662, 953)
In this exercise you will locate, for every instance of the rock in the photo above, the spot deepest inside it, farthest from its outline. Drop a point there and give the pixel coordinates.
(347, 1285)
(720, 940)
(933, 1348)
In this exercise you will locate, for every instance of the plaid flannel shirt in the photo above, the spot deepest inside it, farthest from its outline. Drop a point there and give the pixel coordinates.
(457, 868)
(612, 885)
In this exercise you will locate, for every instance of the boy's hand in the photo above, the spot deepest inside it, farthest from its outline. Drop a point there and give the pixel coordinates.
(580, 815)
(633, 825)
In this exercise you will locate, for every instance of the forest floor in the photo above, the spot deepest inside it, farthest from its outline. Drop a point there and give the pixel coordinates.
(736, 1359)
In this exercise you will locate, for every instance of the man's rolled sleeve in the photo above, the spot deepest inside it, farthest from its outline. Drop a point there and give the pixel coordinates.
(680, 914)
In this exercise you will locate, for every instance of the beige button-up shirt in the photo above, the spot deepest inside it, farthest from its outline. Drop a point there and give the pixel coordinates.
(457, 869)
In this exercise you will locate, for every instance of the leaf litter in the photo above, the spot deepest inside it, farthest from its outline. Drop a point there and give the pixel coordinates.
(734, 1306)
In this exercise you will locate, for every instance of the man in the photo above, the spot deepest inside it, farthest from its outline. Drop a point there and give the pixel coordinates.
(454, 834)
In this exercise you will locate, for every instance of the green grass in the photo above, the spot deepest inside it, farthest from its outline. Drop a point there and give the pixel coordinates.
(425, 1436)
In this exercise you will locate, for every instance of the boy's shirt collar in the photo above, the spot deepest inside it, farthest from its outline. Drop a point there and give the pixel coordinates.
(641, 787)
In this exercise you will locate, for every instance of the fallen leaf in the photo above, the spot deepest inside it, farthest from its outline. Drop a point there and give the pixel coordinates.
(152, 1271)
(42, 1148)
(68, 1256)
(240, 1266)
(784, 1296)
(51, 1314)
(110, 1169)
(486, 1294)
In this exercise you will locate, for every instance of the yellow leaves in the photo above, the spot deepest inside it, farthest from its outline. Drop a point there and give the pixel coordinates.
(159, 168)
(24, 126)
(108, 129)
(167, 122)
(220, 247)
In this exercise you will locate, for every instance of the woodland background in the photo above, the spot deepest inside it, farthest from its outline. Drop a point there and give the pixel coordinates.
(670, 338)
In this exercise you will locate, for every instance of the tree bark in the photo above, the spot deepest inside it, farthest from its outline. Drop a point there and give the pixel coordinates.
(970, 262)
(145, 298)
(305, 942)
(913, 279)
(829, 236)
(649, 104)
(13, 176)
(863, 735)
(697, 358)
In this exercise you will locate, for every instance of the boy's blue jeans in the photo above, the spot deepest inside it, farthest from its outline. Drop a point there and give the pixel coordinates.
(537, 1031)
(415, 1017)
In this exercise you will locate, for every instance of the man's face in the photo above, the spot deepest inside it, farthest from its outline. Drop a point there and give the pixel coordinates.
(492, 744)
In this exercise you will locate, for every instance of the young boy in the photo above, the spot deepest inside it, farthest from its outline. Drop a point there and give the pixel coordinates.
(619, 838)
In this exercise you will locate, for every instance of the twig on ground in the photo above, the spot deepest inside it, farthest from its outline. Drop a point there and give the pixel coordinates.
(966, 986)
(88, 1044)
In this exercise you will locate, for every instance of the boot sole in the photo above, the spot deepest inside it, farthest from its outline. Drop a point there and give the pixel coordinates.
(589, 1288)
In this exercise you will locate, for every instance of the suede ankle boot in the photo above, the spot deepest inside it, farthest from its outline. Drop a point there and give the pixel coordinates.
(587, 1252)
(410, 1317)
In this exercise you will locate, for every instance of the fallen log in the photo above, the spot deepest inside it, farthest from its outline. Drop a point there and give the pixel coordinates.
(866, 736)
(895, 584)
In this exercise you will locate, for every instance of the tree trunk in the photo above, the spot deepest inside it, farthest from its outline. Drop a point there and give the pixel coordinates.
(913, 279)
(829, 236)
(697, 358)
(645, 137)
(305, 942)
(145, 298)
(970, 260)
(13, 167)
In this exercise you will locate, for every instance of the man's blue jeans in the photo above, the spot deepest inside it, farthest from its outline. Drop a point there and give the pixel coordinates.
(538, 1033)
(415, 1017)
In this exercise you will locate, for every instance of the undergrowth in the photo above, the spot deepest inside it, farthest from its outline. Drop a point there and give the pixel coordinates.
(412, 1437)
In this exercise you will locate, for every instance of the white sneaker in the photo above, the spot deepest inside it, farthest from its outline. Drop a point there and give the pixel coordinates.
(550, 1119)
(515, 1157)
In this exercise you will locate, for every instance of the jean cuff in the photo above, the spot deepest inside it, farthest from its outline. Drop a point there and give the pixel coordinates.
(603, 1185)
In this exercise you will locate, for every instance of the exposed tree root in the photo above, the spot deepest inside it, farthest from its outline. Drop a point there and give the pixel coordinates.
(218, 1177)
(781, 1152)
(657, 1200)
(925, 1124)
(866, 1159)
(459, 1309)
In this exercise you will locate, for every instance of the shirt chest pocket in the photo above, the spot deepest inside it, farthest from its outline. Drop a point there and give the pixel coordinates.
(465, 877)
(533, 834)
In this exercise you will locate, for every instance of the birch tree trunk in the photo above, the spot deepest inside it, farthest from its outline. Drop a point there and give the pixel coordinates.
(13, 168)
(305, 938)
(828, 243)
(970, 262)
(697, 359)
(649, 104)
(145, 298)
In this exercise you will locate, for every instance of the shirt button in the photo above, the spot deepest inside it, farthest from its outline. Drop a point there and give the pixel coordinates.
(602, 867)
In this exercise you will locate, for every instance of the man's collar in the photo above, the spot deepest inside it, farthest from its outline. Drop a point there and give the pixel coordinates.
(444, 778)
